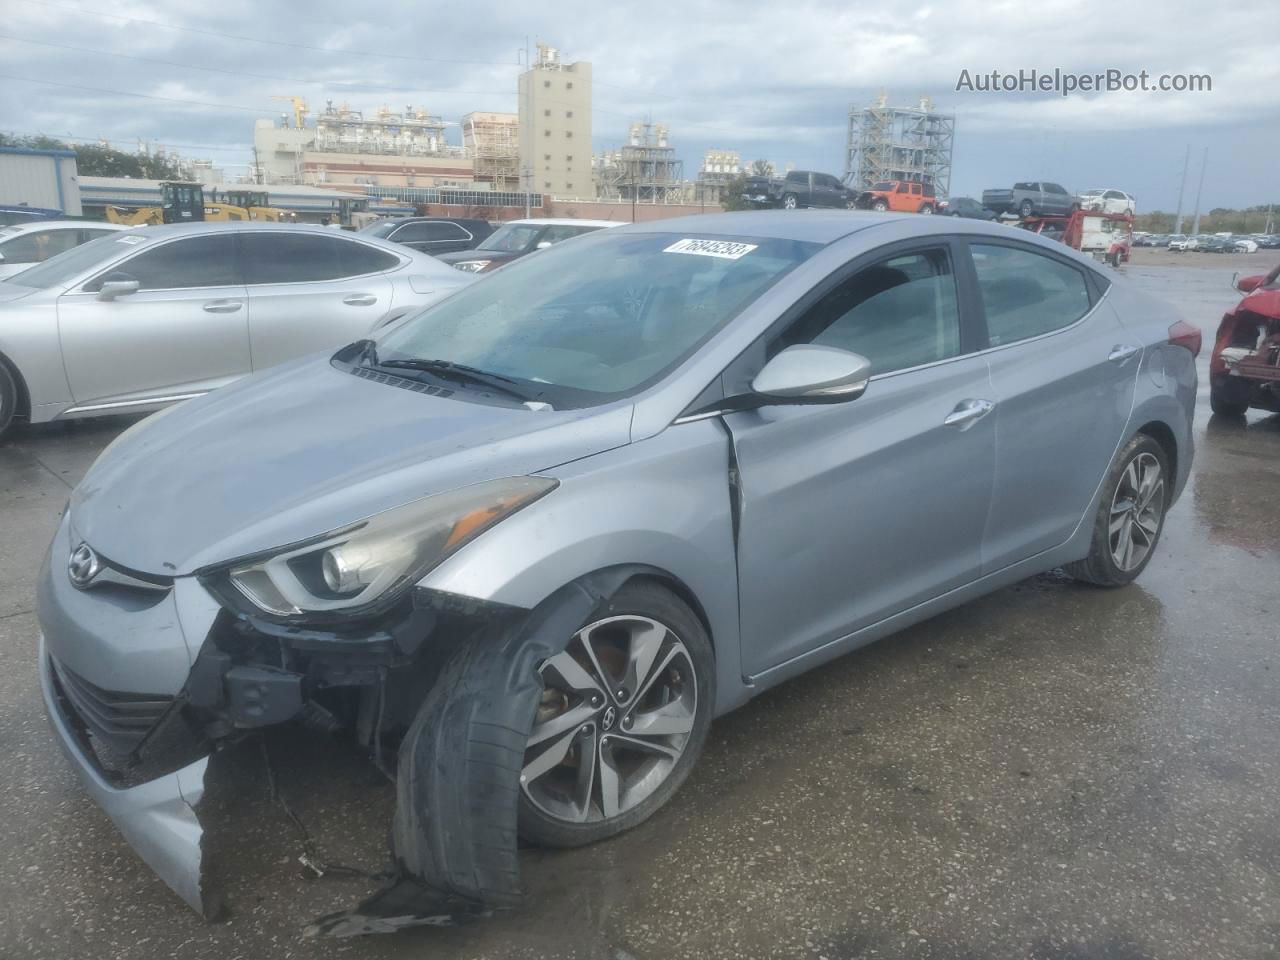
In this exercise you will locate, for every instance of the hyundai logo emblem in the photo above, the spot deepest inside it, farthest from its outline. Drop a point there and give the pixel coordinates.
(83, 565)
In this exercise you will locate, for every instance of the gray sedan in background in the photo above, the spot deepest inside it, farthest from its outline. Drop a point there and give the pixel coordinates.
(142, 318)
(532, 539)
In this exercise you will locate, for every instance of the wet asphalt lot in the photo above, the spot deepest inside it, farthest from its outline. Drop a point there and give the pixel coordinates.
(1054, 772)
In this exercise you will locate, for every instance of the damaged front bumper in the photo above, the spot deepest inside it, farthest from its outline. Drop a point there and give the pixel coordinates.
(452, 682)
(157, 817)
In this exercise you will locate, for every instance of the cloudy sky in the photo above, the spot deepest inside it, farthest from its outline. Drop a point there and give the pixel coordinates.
(770, 80)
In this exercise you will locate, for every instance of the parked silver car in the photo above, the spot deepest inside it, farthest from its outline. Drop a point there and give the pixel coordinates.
(24, 245)
(537, 536)
(139, 319)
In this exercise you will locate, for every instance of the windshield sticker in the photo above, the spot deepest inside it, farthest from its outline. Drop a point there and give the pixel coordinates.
(131, 239)
(724, 249)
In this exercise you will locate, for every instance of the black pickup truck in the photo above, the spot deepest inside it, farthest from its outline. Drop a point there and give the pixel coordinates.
(799, 188)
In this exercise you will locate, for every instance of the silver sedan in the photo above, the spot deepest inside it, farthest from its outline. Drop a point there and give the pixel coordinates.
(136, 320)
(540, 534)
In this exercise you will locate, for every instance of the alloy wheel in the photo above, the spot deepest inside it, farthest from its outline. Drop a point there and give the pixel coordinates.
(616, 713)
(1137, 510)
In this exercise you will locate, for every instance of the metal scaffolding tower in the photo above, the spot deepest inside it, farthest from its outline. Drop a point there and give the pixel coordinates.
(644, 169)
(899, 143)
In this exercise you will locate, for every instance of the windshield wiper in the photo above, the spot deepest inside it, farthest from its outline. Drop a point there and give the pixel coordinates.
(460, 372)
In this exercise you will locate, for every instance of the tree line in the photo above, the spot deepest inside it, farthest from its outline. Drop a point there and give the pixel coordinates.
(99, 160)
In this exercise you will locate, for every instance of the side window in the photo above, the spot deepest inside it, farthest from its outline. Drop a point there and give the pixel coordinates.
(898, 313)
(1026, 293)
(1054, 188)
(915, 189)
(302, 258)
(929, 191)
(904, 187)
(87, 235)
(208, 261)
(1026, 186)
(797, 177)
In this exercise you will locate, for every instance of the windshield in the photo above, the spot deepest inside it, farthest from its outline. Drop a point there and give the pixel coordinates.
(513, 238)
(588, 322)
(65, 267)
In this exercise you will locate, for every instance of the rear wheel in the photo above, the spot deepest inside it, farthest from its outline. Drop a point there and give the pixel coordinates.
(1228, 396)
(623, 716)
(1130, 517)
(927, 208)
(880, 206)
(790, 201)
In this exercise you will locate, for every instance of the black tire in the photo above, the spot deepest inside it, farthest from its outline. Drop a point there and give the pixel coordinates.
(8, 402)
(652, 601)
(1100, 566)
(790, 201)
(1228, 396)
(927, 209)
(1113, 258)
(880, 206)
(1025, 209)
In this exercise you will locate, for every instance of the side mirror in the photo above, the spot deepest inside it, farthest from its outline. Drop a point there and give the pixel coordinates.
(1247, 284)
(111, 289)
(807, 373)
(543, 245)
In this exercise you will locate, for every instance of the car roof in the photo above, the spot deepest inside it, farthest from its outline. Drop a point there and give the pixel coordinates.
(569, 221)
(14, 229)
(813, 226)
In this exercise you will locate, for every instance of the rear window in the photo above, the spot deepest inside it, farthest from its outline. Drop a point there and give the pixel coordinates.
(1027, 294)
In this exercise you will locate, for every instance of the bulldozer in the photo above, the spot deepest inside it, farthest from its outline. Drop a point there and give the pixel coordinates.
(180, 202)
(256, 205)
(184, 202)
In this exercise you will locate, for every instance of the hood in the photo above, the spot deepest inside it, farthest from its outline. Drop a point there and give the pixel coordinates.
(1265, 301)
(10, 291)
(300, 450)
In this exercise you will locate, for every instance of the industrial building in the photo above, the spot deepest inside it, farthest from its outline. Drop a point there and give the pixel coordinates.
(492, 142)
(39, 178)
(344, 146)
(899, 143)
(718, 168)
(644, 169)
(555, 127)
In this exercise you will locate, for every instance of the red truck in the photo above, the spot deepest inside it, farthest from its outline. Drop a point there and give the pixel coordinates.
(1244, 368)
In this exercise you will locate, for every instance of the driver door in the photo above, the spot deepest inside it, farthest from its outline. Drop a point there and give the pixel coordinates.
(852, 512)
(185, 331)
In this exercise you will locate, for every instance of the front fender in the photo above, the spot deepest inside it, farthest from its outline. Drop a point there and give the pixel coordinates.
(662, 503)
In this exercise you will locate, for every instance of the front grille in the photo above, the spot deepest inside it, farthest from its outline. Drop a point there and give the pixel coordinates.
(121, 720)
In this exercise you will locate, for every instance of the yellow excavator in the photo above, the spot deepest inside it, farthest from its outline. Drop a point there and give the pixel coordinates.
(184, 202)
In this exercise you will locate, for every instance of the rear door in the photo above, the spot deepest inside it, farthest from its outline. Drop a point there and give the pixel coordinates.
(1064, 373)
(185, 330)
(854, 511)
(310, 291)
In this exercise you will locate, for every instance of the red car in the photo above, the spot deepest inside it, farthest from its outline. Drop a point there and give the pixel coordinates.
(1244, 369)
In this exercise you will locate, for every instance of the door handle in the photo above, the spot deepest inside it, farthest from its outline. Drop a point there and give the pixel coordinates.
(967, 413)
(1121, 352)
(222, 306)
(360, 300)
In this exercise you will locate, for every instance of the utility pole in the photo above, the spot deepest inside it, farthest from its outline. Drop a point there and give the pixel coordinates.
(1203, 163)
(1186, 160)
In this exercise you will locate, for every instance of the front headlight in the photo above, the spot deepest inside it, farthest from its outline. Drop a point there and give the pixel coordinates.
(373, 561)
(472, 266)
